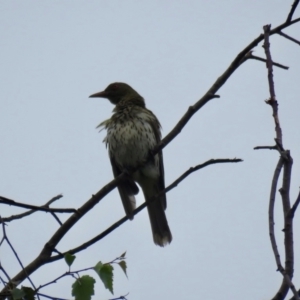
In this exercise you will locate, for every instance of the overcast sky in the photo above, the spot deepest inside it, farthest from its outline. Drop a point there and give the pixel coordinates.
(54, 54)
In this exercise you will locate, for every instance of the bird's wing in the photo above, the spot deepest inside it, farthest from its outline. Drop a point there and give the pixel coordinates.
(127, 189)
(156, 129)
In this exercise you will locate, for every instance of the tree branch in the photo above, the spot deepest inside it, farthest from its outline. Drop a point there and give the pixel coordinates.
(293, 8)
(5, 238)
(287, 161)
(251, 56)
(7, 201)
(289, 37)
(25, 214)
(141, 207)
(295, 206)
(265, 147)
(272, 100)
(210, 94)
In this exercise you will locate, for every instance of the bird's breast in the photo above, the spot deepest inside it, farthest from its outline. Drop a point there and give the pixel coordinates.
(129, 141)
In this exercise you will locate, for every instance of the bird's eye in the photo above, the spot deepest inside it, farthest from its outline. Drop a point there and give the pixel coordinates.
(115, 86)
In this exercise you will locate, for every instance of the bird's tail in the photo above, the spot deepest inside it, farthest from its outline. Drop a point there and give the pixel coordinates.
(159, 224)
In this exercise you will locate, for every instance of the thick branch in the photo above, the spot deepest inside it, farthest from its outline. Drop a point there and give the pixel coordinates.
(287, 283)
(293, 8)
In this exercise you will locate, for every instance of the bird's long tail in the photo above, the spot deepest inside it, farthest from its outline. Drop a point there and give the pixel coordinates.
(159, 224)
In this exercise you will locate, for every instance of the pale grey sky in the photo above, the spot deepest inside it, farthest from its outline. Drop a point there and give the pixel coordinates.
(54, 54)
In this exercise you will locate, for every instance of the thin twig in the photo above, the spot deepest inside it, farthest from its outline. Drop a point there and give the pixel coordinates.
(271, 212)
(4, 272)
(68, 273)
(50, 297)
(27, 213)
(295, 206)
(265, 147)
(5, 237)
(120, 297)
(251, 56)
(289, 37)
(7, 201)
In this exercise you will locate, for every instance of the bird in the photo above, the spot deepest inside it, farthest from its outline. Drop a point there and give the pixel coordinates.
(132, 132)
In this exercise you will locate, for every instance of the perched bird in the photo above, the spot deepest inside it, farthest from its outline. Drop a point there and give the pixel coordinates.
(132, 132)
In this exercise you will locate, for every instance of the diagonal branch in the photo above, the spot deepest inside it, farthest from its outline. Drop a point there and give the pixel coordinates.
(295, 206)
(289, 37)
(293, 8)
(237, 62)
(142, 206)
(251, 56)
(5, 238)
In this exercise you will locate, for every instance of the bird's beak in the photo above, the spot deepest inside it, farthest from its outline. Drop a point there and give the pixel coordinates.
(102, 94)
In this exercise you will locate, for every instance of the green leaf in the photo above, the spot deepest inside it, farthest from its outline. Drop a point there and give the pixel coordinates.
(123, 255)
(29, 292)
(17, 293)
(69, 258)
(98, 267)
(83, 288)
(105, 272)
(123, 266)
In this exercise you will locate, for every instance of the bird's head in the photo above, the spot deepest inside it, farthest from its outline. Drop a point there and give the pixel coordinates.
(116, 92)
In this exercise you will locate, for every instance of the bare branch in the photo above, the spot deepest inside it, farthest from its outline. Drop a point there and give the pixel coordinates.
(265, 147)
(272, 100)
(271, 212)
(25, 214)
(210, 94)
(286, 161)
(295, 206)
(50, 297)
(251, 56)
(290, 15)
(7, 201)
(288, 233)
(120, 297)
(16, 254)
(269, 61)
(289, 37)
(141, 207)
(4, 272)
